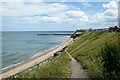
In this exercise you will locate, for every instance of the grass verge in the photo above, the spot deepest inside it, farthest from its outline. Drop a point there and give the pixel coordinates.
(58, 67)
(89, 53)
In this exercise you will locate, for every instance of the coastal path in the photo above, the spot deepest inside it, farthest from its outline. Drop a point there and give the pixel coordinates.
(76, 69)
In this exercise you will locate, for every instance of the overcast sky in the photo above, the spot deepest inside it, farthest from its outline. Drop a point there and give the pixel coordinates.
(57, 16)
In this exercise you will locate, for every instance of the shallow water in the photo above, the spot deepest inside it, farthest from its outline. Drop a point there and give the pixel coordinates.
(20, 46)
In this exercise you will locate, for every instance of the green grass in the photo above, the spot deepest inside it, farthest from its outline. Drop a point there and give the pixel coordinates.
(58, 67)
(88, 54)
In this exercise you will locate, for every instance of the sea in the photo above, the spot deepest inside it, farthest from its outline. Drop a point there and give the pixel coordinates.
(18, 46)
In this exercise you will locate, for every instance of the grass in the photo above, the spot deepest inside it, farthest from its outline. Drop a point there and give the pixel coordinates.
(88, 54)
(58, 67)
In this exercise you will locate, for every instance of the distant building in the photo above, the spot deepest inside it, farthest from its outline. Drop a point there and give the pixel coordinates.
(114, 29)
(105, 29)
(119, 30)
(98, 30)
(78, 33)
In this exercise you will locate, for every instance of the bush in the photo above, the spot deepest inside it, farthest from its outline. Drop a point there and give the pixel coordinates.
(111, 61)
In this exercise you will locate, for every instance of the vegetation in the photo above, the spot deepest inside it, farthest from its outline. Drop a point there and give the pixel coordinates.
(58, 67)
(91, 52)
(88, 52)
(111, 61)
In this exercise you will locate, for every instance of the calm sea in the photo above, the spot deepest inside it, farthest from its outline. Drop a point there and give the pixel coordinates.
(20, 46)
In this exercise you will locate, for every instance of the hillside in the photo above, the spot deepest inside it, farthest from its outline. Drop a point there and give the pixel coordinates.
(58, 67)
(87, 52)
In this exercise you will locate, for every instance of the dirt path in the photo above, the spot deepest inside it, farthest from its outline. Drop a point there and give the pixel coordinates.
(76, 69)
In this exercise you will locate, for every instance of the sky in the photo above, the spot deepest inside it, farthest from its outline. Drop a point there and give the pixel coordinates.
(38, 15)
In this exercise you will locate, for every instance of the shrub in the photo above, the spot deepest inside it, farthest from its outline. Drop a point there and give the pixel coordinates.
(111, 60)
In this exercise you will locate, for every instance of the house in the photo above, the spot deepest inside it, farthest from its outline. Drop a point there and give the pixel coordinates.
(118, 29)
(114, 29)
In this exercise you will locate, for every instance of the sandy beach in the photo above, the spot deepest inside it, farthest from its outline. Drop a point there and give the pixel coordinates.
(34, 61)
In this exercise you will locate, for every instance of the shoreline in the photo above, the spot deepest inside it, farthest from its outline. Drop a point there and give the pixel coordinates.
(9, 67)
(34, 60)
(27, 60)
(39, 53)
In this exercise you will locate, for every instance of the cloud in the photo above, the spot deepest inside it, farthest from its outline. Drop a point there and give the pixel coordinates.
(43, 19)
(1, 10)
(22, 0)
(112, 9)
(111, 5)
(86, 4)
(28, 9)
(107, 16)
(12, 0)
(44, 12)
(76, 15)
(35, 0)
(38, 13)
(71, 17)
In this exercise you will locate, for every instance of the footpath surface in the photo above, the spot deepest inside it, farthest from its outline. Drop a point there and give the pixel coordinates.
(76, 69)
